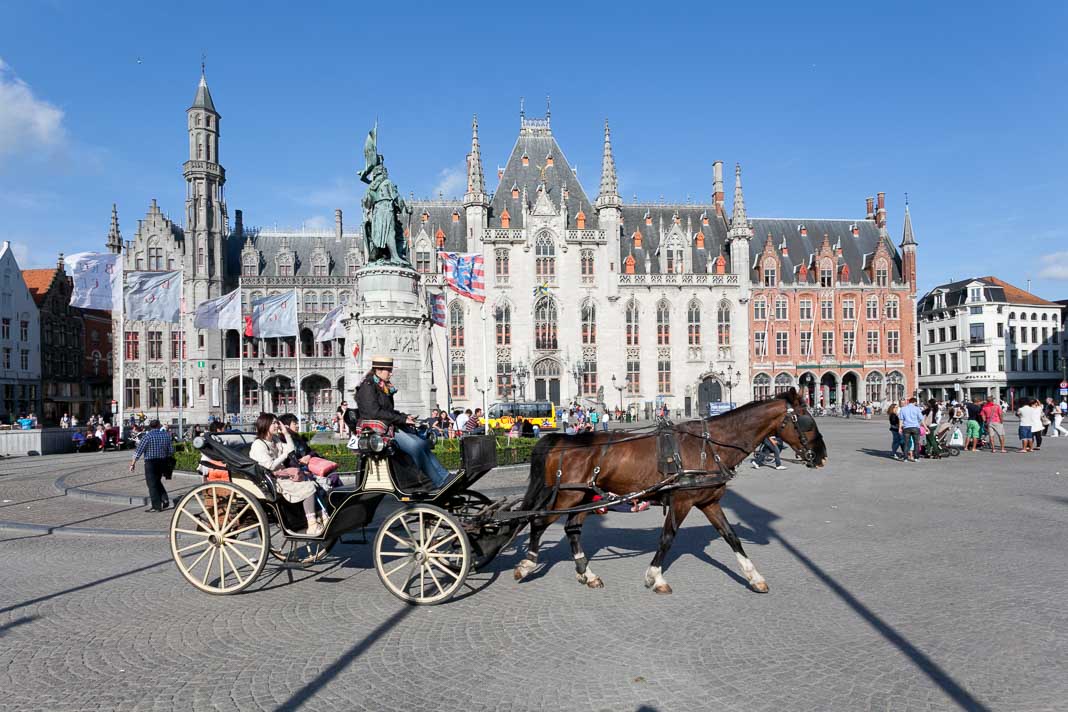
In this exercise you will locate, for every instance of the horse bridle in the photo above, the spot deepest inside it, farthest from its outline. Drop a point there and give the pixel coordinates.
(806, 453)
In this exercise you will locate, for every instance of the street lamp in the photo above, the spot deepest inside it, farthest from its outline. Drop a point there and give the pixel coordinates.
(578, 368)
(522, 373)
(730, 381)
(620, 389)
(262, 386)
(488, 386)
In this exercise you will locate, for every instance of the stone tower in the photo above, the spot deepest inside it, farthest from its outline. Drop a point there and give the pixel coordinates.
(608, 207)
(114, 241)
(206, 218)
(908, 253)
(740, 235)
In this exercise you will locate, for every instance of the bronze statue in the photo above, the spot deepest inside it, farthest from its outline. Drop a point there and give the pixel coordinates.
(383, 208)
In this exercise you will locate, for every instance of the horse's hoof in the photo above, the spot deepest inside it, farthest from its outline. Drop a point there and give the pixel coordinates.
(523, 569)
(518, 575)
(759, 586)
(662, 589)
(595, 583)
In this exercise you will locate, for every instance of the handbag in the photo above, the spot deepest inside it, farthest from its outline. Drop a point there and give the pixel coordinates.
(1044, 421)
(321, 467)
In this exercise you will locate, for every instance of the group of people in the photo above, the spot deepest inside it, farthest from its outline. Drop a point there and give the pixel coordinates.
(929, 430)
(578, 419)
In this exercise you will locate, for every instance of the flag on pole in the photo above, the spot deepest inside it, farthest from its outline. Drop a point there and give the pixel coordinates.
(437, 309)
(153, 296)
(332, 326)
(464, 274)
(221, 313)
(275, 316)
(96, 278)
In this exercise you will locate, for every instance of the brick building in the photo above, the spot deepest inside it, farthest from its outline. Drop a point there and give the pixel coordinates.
(831, 310)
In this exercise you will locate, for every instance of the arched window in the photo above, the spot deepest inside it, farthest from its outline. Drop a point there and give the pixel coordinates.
(872, 308)
(545, 258)
(663, 324)
(589, 323)
(783, 383)
(328, 301)
(456, 326)
(723, 324)
(586, 265)
(632, 323)
(895, 387)
(502, 316)
(873, 387)
(311, 302)
(674, 262)
(545, 325)
(761, 386)
(693, 323)
(760, 309)
(892, 308)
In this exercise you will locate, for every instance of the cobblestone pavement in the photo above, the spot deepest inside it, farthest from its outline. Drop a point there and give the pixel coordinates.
(893, 587)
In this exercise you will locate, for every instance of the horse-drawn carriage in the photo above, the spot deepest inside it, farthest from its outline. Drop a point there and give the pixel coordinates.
(224, 530)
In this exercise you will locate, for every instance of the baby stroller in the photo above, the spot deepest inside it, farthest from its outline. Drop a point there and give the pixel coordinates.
(950, 440)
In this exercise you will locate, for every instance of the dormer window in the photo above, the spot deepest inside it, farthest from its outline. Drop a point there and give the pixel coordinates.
(648, 218)
(506, 219)
(721, 265)
(526, 160)
(975, 294)
(628, 265)
(319, 269)
(580, 220)
(425, 216)
(548, 160)
(769, 274)
(704, 218)
(515, 191)
(456, 216)
(637, 239)
(826, 275)
(882, 274)
(803, 230)
(439, 237)
(699, 240)
(675, 218)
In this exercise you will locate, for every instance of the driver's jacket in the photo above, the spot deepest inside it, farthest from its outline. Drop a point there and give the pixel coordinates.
(375, 404)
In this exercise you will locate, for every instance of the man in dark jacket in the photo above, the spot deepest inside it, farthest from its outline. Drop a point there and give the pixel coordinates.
(374, 399)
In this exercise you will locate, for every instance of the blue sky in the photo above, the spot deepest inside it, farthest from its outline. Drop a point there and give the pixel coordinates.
(962, 105)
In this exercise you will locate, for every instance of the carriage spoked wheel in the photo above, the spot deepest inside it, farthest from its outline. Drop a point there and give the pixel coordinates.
(422, 554)
(467, 503)
(219, 538)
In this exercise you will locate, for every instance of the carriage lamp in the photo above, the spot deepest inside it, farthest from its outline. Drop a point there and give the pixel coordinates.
(372, 442)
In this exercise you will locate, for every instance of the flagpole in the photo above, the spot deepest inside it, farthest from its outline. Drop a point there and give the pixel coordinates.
(300, 387)
(485, 375)
(240, 357)
(181, 358)
(122, 341)
(448, 353)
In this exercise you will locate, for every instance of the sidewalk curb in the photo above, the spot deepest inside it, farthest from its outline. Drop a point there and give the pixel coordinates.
(109, 497)
(80, 531)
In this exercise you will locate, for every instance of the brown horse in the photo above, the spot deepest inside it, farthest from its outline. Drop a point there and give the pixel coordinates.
(562, 468)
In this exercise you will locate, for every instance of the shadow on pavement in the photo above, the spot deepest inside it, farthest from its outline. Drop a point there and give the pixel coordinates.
(761, 519)
(301, 696)
(82, 587)
(15, 623)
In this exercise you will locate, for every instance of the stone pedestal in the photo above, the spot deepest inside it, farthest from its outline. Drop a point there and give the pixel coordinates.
(391, 321)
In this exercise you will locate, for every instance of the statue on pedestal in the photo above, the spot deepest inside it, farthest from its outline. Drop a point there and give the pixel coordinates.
(383, 208)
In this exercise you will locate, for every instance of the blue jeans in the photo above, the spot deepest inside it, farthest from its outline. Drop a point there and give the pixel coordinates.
(766, 450)
(419, 450)
(897, 443)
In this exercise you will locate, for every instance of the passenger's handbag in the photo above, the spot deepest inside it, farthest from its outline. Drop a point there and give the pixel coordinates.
(168, 467)
(1045, 421)
(377, 426)
(321, 467)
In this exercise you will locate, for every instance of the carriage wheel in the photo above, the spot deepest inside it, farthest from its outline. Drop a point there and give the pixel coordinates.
(422, 554)
(219, 538)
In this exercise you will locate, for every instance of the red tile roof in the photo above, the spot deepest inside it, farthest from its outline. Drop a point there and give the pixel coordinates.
(38, 281)
(1015, 295)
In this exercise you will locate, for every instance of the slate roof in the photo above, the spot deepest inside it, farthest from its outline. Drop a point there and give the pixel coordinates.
(269, 243)
(994, 290)
(439, 214)
(536, 142)
(856, 251)
(634, 219)
(203, 98)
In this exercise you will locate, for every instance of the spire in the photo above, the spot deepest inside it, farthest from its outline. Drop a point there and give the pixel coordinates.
(476, 182)
(907, 237)
(609, 194)
(203, 97)
(114, 241)
(739, 223)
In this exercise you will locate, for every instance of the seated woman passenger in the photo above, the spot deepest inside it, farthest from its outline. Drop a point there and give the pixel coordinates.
(271, 449)
(374, 399)
(303, 452)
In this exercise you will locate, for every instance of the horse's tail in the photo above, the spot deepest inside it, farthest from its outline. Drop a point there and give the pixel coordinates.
(538, 493)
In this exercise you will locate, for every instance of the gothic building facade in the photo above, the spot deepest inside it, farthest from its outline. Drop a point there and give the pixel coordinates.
(597, 300)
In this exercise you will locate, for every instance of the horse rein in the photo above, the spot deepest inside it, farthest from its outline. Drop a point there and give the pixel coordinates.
(806, 453)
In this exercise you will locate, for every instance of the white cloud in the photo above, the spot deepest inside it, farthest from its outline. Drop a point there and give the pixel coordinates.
(27, 258)
(451, 181)
(1054, 266)
(26, 122)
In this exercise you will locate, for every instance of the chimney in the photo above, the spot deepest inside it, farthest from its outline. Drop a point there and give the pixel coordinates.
(880, 215)
(337, 225)
(717, 186)
(59, 263)
(870, 215)
(239, 223)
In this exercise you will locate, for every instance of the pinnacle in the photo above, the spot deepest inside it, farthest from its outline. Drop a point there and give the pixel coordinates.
(609, 181)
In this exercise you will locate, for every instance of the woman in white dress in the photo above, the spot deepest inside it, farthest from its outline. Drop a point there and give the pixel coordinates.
(270, 449)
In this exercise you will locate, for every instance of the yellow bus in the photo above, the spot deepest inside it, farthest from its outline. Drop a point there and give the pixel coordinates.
(540, 413)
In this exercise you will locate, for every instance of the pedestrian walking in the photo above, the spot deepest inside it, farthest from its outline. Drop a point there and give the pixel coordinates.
(992, 420)
(897, 442)
(911, 418)
(1058, 418)
(768, 449)
(158, 450)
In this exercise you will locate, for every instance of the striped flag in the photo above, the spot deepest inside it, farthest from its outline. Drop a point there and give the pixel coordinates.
(465, 274)
(221, 313)
(275, 316)
(437, 309)
(153, 296)
(332, 325)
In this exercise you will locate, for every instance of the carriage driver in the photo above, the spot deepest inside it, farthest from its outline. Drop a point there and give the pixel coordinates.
(374, 399)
